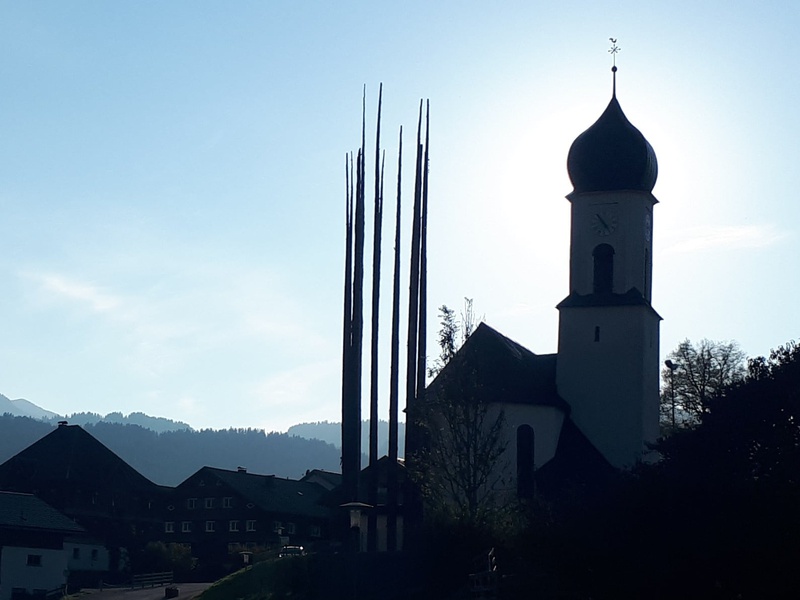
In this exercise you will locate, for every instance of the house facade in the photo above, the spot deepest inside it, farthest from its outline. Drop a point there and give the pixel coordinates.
(218, 512)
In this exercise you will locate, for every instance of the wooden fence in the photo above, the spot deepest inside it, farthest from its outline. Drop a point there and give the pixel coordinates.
(151, 579)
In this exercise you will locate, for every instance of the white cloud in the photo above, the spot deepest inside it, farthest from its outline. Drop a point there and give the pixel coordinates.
(729, 237)
(89, 295)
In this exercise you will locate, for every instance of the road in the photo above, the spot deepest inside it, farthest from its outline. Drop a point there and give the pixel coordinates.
(188, 591)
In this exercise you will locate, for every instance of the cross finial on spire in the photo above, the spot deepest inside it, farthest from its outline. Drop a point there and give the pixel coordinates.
(613, 52)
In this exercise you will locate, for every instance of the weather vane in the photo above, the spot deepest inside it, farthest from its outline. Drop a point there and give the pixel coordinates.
(613, 52)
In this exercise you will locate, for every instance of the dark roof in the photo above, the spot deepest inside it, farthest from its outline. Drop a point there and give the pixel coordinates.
(270, 493)
(26, 511)
(337, 496)
(326, 479)
(612, 155)
(633, 297)
(576, 462)
(70, 454)
(497, 368)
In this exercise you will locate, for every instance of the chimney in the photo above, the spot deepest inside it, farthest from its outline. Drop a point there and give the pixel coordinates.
(62, 423)
(241, 469)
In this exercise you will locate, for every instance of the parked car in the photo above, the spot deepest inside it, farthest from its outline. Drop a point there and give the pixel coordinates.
(292, 551)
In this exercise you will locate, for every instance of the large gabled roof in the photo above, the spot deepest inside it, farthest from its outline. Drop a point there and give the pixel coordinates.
(497, 368)
(270, 493)
(27, 512)
(70, 454)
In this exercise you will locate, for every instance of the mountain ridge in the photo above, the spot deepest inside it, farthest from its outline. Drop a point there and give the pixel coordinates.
(329, 432)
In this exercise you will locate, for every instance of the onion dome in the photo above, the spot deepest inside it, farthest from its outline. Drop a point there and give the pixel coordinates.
(612, 155)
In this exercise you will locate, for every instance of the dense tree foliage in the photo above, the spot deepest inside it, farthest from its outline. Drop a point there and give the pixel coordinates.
(715, 518)
(158, 424)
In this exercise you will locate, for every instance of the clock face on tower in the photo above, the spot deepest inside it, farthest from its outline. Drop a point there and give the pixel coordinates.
(604, 222)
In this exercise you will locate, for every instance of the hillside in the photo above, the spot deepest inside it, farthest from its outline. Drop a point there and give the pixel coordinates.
(169, 457)
(25, 408)
(331, 432)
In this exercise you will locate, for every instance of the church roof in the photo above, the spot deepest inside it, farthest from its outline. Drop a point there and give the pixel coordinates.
(501, 368)
(612, 155)
(633, 297)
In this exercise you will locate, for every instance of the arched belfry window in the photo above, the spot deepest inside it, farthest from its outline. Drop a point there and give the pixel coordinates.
(603, 269)
(525, 464)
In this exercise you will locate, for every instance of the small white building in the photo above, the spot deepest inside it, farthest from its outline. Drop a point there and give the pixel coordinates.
(33, 555)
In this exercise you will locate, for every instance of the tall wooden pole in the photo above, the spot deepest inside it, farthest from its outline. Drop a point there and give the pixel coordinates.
(351, 401)
(423, 271)
(411, 499)
(392, 487)
(372, 498)
(347, 321)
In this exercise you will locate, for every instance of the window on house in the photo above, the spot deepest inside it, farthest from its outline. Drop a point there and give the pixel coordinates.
(34, 560)
(603, 280)
(76, 553)
(186, 526)
(525, 461)
(315, 531)
(210, 527)
(209, 503)
(95, 554)
(227, 502)
(277, 526)
(191, 503)
(290, 529)
(251, 525)
(169, 527)
(233, 525)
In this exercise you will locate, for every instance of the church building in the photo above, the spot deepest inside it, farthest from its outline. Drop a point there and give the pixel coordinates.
(594, 402)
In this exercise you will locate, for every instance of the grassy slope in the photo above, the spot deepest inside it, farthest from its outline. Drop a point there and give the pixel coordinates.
(269, 580)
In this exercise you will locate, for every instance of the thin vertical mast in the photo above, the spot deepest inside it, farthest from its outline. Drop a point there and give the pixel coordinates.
(394, 375)
(372, 529)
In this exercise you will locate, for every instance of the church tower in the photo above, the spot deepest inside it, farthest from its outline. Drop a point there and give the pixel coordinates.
(608, 360)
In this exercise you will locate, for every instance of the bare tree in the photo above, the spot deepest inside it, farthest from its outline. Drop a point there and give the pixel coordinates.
(693, 375)
(463, 454)
(461, 470)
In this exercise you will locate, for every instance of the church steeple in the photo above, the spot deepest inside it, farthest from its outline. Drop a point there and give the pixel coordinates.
(613, 170)
(608, 367)
(612, 155)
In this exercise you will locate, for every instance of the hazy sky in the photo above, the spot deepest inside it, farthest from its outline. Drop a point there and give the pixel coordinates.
(172, 186)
